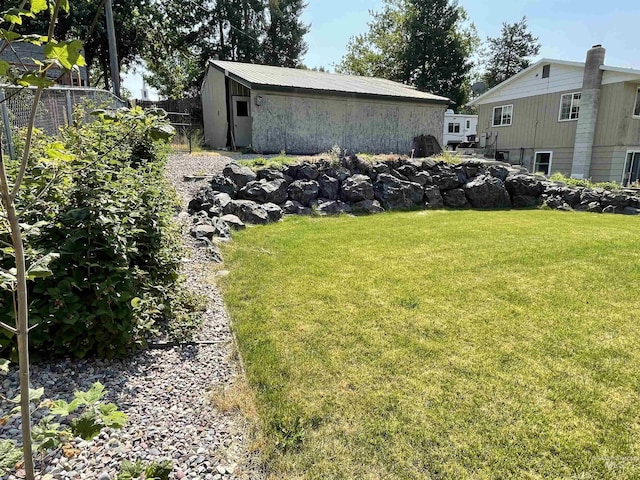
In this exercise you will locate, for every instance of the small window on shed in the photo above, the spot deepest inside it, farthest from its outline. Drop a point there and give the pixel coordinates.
(242, 109)
(546, 69)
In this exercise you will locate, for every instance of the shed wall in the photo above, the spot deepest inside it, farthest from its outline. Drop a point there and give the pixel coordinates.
(214, 109)
(309, 124)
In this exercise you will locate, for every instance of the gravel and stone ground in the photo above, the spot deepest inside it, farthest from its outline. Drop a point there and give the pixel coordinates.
(165, 393)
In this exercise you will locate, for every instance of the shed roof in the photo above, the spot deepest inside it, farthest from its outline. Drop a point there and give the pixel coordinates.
(280, 78)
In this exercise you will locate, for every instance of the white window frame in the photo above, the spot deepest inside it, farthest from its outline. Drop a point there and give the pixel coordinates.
(626, 162)
(501, 124)
(535, 156)
(635, 103)
(573, 94)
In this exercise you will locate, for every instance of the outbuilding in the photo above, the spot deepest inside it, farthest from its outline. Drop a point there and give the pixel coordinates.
(274, 109)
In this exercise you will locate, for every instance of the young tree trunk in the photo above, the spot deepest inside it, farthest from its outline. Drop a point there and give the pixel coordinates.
(22, 318)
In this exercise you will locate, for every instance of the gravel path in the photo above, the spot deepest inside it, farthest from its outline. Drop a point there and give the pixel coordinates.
(165, 393)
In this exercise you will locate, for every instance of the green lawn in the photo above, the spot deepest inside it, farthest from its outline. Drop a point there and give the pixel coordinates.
(445, 345)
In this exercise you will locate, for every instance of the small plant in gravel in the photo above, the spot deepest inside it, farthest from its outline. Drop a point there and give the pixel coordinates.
(61, 421)
(151, 471)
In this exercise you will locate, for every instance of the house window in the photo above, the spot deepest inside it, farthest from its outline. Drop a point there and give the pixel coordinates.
(242, 109)
(468, 124)
(545, 71)
(454, 127)
(569, 106)
(631, 169)
(542, 163)
(502, 115)
(636, 108)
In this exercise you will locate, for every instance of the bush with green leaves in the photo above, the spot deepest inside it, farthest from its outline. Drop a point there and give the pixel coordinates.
(83, 417)
(108, 251)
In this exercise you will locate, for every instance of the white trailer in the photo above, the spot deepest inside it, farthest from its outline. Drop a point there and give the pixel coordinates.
(458, 127)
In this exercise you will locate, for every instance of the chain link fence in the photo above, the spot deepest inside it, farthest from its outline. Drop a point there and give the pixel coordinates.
(55, 108)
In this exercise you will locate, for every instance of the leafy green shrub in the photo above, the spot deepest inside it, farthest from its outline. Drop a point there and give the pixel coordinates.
(583, 182)
(61, 422)
(98, 198)
(152, 471)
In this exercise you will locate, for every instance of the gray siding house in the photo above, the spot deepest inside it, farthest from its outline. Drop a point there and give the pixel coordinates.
(275, 109)
(580, 119)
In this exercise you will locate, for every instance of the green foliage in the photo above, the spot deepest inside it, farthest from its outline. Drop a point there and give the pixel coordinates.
(510, 52)
(273, 162)
(424, 43)
(138, 470)
(584, 182)
(9, 456)
(134, 21)
(256, 31)
(102, 235)
(59, 425)
(284, 44)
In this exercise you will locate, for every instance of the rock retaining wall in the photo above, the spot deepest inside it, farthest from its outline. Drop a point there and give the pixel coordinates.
(241, 196)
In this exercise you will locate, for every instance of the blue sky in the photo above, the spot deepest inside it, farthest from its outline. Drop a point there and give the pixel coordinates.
(566, 28)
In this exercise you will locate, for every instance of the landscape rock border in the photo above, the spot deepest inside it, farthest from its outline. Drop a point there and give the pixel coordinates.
(242, 196)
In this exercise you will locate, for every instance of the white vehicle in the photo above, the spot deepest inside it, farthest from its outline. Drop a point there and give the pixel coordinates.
(458, 128)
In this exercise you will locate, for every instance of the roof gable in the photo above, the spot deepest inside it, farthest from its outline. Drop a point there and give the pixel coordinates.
(256, 76)
(563, 76)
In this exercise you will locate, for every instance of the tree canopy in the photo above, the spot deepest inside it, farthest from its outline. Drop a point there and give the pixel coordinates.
(423, 43)
(133, 19)
(190, 33)
(510, 52)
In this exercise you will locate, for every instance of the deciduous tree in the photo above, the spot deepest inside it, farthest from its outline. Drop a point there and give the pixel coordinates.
(424, 43)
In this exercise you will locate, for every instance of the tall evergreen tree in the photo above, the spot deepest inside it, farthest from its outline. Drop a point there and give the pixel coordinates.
(510, 53)
(284, 44)
(423, 43)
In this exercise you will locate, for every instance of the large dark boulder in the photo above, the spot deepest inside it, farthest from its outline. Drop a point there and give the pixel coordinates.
(525, 201)
(355, 164)
(589, 195)
(487, 192)
(331, 207)
(270, 174)
(455, 198)
(555, 202)
(291, 207)
(274, 212)
(303, 191)
(329, 186)
(356, 189)
(215, 227)
(524, 185)
(202, 201)
(220, 183)
(307, 171)
(433, 197)
(446, 180)
(248, 211)
(394, 193)
(616, 199)
(238, 174)
(367, 206)
(498, 171)
(265, 191)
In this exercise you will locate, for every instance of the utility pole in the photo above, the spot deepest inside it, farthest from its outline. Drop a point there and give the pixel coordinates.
(113, 51)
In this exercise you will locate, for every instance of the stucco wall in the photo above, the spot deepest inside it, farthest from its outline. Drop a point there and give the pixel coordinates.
(214, 109)
(308, 124)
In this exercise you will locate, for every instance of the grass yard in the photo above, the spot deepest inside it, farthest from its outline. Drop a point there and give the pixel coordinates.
(444, 345)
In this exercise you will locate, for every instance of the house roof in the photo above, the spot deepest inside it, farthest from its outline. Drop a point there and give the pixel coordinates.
(545, 61)
(279, 78)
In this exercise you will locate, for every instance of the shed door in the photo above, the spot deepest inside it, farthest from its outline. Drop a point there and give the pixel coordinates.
(242, 121)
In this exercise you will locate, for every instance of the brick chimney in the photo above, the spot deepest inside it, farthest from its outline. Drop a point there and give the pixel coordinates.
(589, 99)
